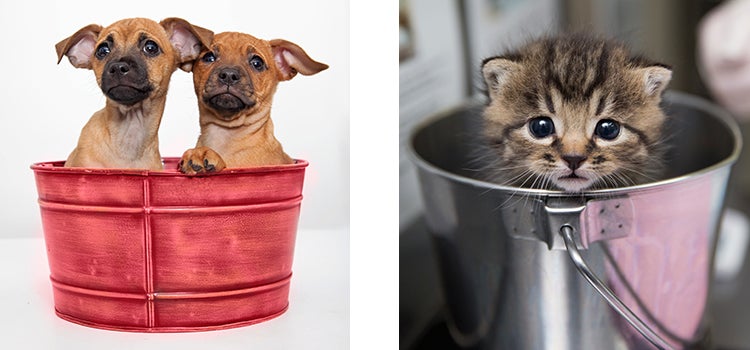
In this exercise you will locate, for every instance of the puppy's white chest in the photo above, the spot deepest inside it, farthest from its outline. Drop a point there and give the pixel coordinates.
(217, 137)
(132, 135)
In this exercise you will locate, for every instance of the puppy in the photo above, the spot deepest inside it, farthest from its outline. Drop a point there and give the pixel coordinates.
(235, 81)
(133, 60)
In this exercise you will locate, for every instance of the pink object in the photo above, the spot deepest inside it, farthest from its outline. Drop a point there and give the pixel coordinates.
(146, 251)
(724, 55)
(666, 258)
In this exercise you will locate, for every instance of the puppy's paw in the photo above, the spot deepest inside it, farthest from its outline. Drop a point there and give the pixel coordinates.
(201, 160)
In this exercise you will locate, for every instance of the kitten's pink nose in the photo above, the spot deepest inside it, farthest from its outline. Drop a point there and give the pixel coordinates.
(574, 161)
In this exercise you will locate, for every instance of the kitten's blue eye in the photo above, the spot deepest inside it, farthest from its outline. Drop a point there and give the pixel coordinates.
(541, 127)
(607, 129)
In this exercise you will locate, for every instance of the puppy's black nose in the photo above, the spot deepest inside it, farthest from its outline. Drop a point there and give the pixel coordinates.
(121, 68)
(229, 76)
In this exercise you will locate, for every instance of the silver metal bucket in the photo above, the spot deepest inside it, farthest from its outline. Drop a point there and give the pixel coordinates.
(532, 269)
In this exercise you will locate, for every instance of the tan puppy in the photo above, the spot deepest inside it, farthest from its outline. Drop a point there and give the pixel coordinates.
(235, 81)
(133, 60)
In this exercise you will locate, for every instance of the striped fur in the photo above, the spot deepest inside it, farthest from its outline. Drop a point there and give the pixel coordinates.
(577, 81)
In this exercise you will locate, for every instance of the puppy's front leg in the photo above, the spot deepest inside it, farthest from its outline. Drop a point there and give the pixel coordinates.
(201, 160)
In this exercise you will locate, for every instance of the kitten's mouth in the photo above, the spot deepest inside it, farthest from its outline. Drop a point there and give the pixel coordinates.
(573, 182)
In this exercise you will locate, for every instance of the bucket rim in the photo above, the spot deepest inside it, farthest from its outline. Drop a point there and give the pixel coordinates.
(57, 167)
(670, 97)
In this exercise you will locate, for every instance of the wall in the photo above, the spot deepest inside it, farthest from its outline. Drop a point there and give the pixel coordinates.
(449, 41)
(431, 79)
(45, 105)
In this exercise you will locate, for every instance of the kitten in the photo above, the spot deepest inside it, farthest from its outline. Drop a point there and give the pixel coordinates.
(574, 113)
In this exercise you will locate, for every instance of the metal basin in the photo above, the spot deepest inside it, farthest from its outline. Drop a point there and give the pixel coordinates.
(618, 268)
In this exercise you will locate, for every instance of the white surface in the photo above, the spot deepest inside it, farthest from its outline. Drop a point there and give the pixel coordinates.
(45, 104)
(374, 182)
(317, 318)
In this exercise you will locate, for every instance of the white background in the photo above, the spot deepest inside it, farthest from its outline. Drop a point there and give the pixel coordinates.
(38, 127)
(45, 105)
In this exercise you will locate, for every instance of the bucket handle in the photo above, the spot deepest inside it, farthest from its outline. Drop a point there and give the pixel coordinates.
(567, 232)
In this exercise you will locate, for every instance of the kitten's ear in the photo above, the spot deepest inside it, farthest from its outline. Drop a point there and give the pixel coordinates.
(655, 79)
(496, 72)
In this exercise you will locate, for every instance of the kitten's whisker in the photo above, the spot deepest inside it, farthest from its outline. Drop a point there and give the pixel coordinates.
(623, 180)
(527, 174)
(647, 177)
(613, 181)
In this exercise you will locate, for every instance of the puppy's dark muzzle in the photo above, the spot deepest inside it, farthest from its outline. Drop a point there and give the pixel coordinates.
(125, 81)
(229, 91)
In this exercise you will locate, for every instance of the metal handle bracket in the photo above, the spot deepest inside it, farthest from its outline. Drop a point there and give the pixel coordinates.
(564, 211)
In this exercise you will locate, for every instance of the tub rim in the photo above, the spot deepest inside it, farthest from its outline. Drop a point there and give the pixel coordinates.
(57, 167)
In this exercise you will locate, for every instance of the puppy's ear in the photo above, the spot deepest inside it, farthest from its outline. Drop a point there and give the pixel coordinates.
(291, 59)
(79, 47)
(189, 40)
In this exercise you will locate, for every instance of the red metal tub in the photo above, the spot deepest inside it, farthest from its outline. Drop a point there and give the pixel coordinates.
(158, 251)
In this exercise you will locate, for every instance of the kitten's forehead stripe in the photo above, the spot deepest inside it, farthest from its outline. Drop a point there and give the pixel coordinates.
(619, 103)
(601, 71)
(550, 74)
(548, 101)
(574, 69)
(600, 106)
(531, 98)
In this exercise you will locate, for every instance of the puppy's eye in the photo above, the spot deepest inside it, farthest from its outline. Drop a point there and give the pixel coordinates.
(102, 51)
(150, 48)
(258, 63)
(209, 57)
(607, 129)
(541, 127)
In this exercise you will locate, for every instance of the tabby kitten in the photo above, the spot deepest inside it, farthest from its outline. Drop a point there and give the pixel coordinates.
(574, 113)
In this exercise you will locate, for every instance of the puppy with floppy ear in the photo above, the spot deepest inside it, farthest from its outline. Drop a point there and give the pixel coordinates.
(133, 60)
(235, 80)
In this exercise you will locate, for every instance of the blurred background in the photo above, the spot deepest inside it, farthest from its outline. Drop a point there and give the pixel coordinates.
(441, 45)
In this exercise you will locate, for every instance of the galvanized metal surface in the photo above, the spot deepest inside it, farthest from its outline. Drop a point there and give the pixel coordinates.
(506, 281)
